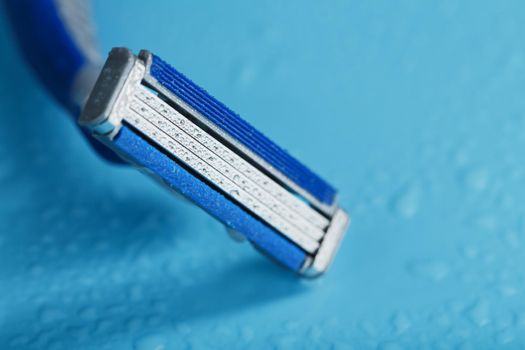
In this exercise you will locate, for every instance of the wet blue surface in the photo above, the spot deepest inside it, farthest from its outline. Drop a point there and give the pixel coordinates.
(416, 112)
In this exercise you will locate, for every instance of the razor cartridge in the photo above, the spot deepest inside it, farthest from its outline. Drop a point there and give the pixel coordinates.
(161, 122)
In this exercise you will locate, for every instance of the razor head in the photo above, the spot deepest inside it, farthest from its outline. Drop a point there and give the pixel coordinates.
(168, 127)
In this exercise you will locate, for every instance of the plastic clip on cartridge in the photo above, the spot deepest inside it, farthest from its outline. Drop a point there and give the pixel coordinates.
(158, 120)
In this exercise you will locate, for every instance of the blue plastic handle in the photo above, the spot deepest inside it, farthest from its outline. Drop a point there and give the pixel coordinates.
(47, 46)
(54, 54)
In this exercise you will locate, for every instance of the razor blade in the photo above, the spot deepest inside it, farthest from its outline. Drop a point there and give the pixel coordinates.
(161, 122)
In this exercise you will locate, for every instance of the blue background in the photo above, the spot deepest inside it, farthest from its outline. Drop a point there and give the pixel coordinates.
(414, 110)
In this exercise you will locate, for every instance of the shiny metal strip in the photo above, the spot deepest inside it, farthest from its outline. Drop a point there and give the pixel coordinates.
(258, 178)
(138, 120)
(190, 142)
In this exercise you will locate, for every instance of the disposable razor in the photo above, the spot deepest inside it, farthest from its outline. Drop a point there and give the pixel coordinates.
(173, 130)
(153, 117)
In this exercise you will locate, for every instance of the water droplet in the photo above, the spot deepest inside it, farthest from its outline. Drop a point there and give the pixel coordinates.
(245, 74)
(341, 344)
(470, 252)
(19, 342)
(520, 320)
(369, 328)
(479, 313)
(246, 334)
(504, 337)
(465, 346)
(511, 238)
(476, 179)
(400, 323)
(48, 315)
(80, 333)
(487, 222)
(433, 270)
(55, 345)
(406, 203)
(440, 319)
(151, 342)
(390, 345)
(507, 290)
(285, 342)
(461, 157)
(87, 313)
(36, 269)
(103, 326)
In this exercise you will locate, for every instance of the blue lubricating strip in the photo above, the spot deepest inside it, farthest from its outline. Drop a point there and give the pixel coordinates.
(174, 175)
(235, 126)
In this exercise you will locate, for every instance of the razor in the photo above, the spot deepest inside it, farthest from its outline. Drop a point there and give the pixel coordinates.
(153, 117)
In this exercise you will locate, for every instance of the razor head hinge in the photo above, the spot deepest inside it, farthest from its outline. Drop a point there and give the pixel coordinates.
(127, 95)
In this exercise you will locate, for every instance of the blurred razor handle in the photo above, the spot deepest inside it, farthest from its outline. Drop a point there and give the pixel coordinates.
(57, 39)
